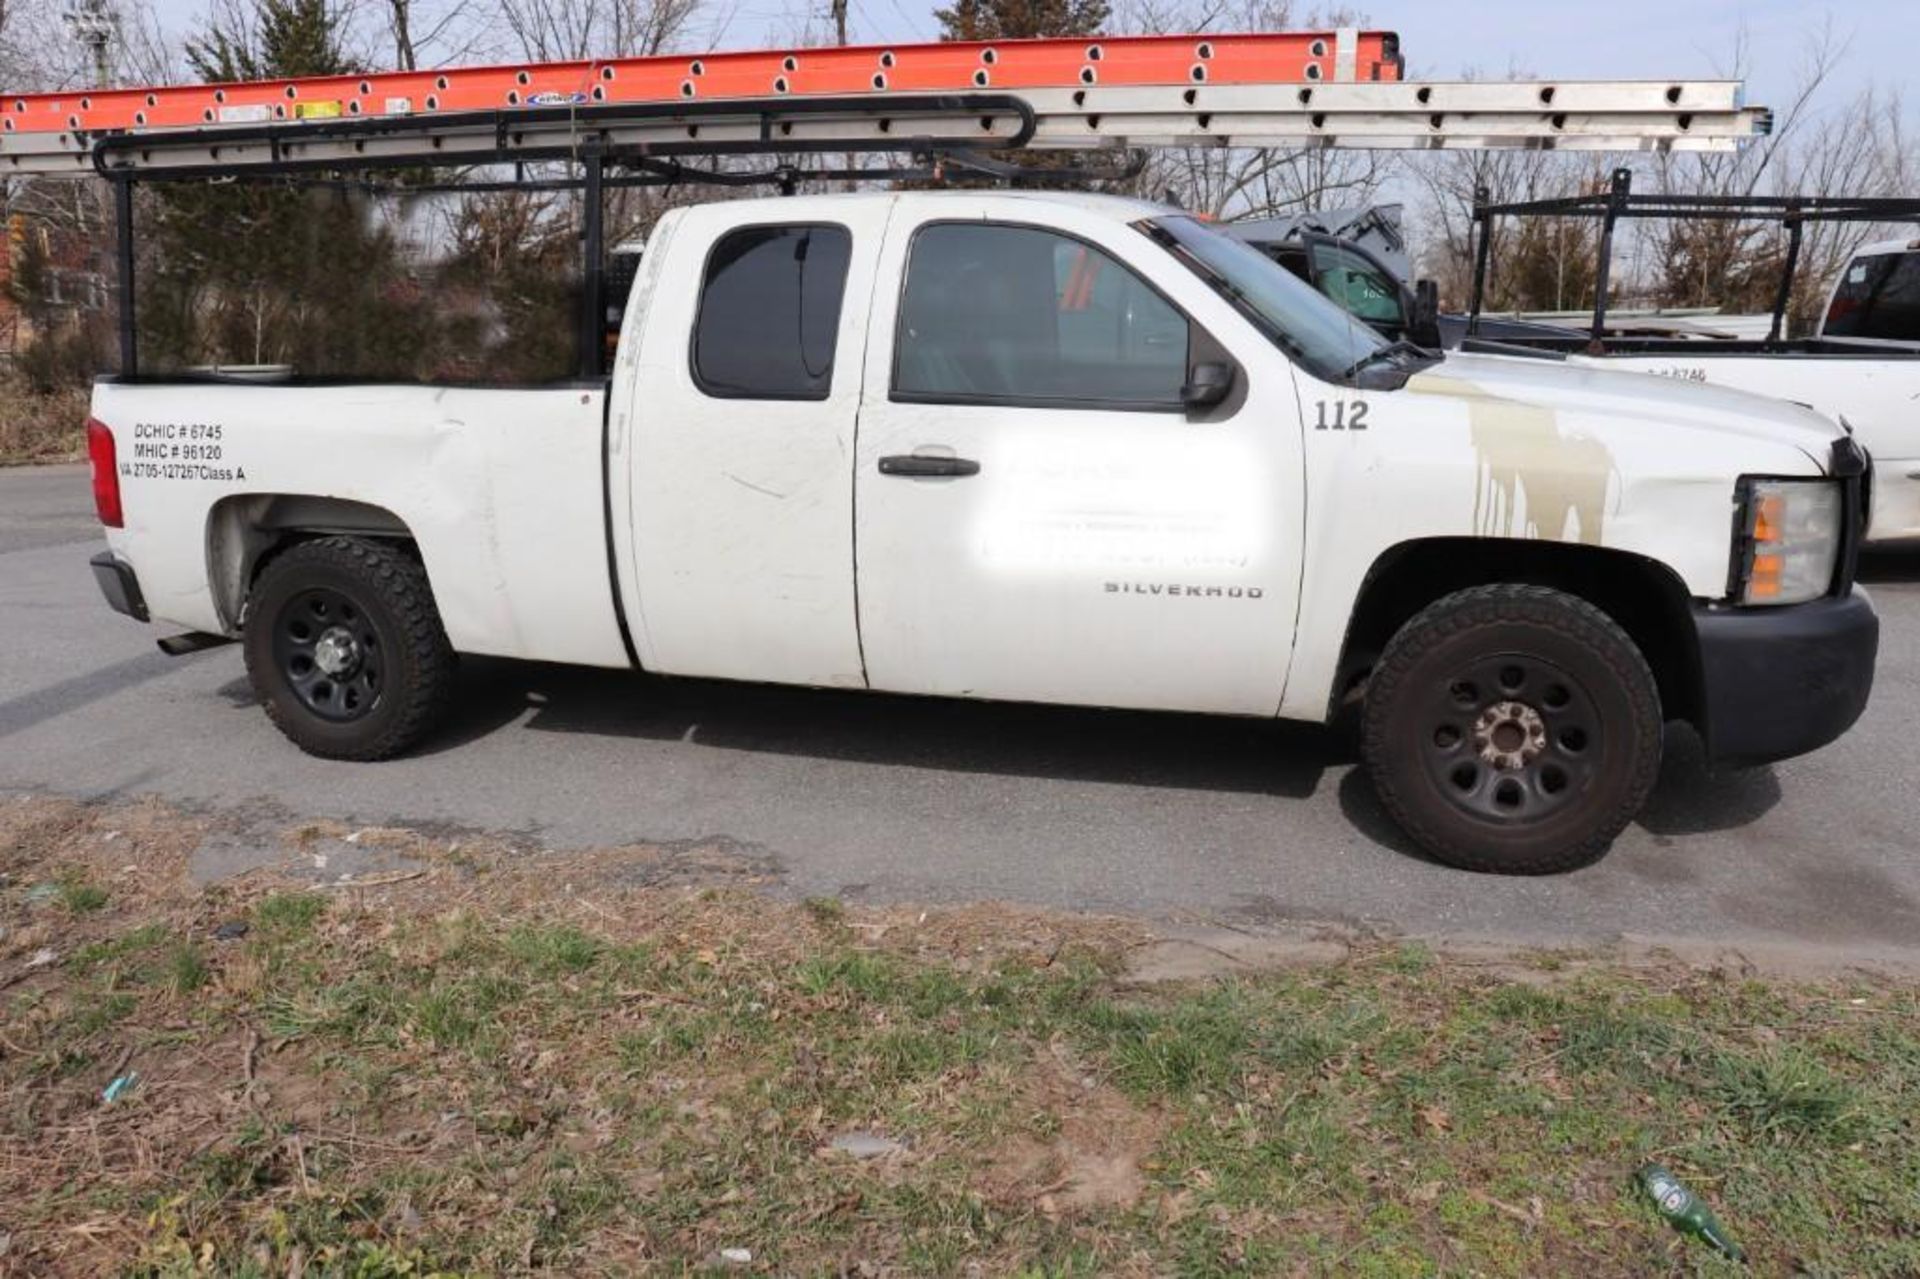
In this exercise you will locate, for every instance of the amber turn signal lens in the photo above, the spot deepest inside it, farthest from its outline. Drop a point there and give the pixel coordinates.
(1765, 582)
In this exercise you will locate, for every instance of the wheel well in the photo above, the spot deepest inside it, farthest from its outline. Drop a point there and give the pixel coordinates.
(245, 532)
(1642, 595)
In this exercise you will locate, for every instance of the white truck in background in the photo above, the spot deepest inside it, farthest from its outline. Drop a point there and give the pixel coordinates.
(1033, 447)
(1848, 370)
(1875, 394)
(1876, 299)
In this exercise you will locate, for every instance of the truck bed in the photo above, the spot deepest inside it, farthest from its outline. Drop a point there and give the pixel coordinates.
(502, 489)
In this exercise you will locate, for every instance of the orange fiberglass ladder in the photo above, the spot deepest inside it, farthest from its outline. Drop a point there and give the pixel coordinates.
(1317, 88)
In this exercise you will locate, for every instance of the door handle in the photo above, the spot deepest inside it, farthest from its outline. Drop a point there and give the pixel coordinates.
(922, 465)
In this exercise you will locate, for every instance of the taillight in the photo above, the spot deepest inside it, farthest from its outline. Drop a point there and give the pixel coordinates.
(106, 473)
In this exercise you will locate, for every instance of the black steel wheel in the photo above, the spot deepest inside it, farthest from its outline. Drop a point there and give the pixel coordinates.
(1513, 737)
(1512, 729)
(345, 648)
(327, 649)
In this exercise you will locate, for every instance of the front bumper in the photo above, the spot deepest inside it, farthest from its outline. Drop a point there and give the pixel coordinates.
(119, 585)
(1777, 682)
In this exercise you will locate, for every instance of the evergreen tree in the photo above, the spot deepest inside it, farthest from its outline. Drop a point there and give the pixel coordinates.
(1550, 264)
(262, 272)
(293, 38)
(1021, 19)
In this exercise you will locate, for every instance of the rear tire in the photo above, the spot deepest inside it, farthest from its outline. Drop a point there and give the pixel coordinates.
(345, 649)
(1512, 730)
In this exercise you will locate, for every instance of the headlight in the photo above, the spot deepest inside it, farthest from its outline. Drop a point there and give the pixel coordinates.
(1789, 540)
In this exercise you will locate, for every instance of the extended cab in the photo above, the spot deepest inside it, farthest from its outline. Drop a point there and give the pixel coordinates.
(1035, 447)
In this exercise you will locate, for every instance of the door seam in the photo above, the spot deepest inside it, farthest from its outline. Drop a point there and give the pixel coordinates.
(859, 411)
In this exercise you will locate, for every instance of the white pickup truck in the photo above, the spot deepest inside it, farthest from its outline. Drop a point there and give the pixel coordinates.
(1034, 447)
(1872, 389)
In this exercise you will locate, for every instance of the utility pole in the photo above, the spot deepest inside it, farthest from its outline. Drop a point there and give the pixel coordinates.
(95, 27)
(838, 8)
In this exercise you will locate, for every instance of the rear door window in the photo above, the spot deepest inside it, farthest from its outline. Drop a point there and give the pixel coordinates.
(1878, 297)
(770, 312)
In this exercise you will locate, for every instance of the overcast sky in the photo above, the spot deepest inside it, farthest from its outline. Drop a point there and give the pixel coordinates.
(1566, 39)
(1683, 38)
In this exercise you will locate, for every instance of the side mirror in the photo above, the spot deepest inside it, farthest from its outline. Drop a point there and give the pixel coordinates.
(1423, 326)
(1206, 386)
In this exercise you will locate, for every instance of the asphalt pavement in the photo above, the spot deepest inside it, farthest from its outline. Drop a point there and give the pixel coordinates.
(1230, 823)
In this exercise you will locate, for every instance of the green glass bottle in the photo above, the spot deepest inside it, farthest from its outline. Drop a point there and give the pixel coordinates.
(1684, 1210)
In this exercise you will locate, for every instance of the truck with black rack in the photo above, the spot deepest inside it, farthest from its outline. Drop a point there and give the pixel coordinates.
(1866, 382)
(1033, 446)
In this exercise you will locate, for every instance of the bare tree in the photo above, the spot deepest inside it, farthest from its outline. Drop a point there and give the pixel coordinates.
(1245, 182)
(400, 23)
(436, 32)
(555, 30)
(39, 52)
(1819, 146)
(1545, 264)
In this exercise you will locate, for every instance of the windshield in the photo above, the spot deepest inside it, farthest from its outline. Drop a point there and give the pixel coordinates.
(1299, 319)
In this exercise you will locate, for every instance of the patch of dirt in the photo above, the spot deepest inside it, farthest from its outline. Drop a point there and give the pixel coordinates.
(136, 853)
(1202, 953)
(1789, 960)
(1093, 1158)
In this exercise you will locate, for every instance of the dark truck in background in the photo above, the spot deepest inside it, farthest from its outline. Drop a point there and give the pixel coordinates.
(1357, 258)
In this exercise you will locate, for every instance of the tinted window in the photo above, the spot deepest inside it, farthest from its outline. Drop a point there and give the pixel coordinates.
(1878, 297)
(770, 312)
(1356, 284)
(1013, 313)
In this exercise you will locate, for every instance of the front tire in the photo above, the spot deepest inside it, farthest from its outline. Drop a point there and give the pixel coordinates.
(345, 649)
(1512, 730)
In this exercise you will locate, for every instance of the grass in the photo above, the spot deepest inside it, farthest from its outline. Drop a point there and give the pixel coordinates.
(392, 1084)
(81, 898)
(37, 427)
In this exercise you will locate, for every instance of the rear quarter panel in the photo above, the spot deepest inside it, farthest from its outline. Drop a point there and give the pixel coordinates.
(501, 489)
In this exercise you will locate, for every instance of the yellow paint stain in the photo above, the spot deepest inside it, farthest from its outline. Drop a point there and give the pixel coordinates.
(1534, 480)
